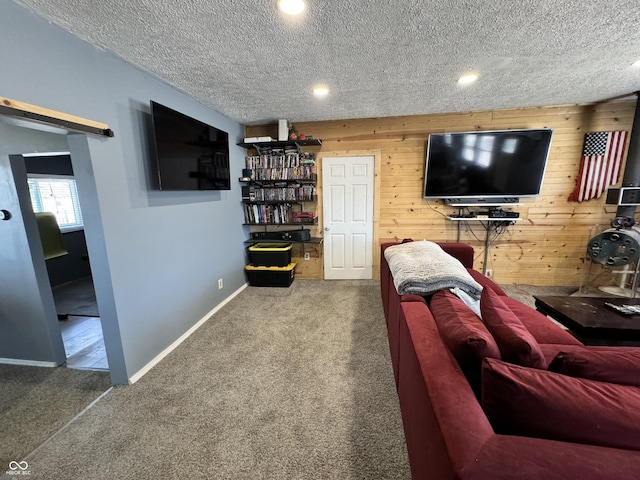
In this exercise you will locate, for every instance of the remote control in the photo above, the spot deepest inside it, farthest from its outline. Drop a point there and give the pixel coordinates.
(624, 309)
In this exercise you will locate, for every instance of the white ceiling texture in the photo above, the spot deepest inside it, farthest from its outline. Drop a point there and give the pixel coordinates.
(378, 57)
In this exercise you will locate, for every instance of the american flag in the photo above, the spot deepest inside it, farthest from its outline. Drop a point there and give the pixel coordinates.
(600, 164)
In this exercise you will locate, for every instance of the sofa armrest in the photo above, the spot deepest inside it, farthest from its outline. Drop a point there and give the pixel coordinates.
(385, 278)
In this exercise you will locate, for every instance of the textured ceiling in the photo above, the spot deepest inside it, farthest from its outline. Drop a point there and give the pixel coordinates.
(379, 57)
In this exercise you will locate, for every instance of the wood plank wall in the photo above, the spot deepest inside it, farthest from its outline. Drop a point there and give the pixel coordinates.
(547, 247)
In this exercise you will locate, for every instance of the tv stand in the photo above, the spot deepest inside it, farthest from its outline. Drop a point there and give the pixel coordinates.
(493, 219)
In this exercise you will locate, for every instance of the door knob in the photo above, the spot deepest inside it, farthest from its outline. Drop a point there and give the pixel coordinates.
(326, 229)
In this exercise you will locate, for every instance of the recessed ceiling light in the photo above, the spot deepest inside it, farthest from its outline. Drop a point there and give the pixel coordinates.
(467, 78)
(321, 91)
(636, 64)
(291, 7)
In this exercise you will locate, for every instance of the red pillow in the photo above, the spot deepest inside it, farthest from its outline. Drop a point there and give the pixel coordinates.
(461, 329)
(613, 365)
(516, 344)
(537, 403)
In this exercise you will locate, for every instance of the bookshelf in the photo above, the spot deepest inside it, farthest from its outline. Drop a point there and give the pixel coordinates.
(279, 185)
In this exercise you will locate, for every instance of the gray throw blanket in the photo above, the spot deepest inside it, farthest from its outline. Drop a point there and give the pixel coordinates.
(423, 268)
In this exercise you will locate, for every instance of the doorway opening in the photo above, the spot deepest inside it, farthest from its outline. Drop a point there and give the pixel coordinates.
(52, 190)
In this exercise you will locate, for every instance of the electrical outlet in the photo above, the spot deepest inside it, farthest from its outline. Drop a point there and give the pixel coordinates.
(307, 256)
(489, 273)
(220, 284)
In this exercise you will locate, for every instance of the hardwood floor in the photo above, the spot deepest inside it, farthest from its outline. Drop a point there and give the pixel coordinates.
(83, 343)
(81, 331)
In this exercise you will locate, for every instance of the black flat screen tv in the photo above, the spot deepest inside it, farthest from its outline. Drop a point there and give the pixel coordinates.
(486, 167)
(190, 155)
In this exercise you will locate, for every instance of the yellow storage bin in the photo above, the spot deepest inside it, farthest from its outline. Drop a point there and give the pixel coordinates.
(270, 254)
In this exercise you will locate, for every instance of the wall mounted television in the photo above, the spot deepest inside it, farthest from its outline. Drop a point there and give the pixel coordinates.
(486, 167)
(190, 155)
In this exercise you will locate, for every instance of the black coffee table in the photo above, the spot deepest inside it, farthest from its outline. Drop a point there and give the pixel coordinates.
(590, 321)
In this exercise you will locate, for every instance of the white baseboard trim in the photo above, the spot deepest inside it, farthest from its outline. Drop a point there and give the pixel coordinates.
(28, 363)
(140, 373)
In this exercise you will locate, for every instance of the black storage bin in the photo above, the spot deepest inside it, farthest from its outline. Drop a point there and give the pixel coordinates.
(270, 254)
(261, 276)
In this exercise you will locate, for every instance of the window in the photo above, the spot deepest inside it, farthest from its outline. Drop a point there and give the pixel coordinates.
(59, 196)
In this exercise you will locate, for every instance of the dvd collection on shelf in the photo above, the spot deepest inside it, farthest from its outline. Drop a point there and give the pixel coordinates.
(279, 174)
(280, 158)
(256, 213)
(260, 214)
(282, 164)
(294, 173)
(279, 193)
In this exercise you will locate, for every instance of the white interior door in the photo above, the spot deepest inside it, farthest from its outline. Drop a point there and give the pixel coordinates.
(347, 186)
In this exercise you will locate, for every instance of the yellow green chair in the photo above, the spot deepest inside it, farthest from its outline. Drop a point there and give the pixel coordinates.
(50, 235)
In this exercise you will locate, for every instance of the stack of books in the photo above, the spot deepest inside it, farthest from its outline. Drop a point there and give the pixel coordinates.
(304, 217)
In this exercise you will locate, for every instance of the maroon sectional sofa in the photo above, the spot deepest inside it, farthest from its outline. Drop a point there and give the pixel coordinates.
(471, 417)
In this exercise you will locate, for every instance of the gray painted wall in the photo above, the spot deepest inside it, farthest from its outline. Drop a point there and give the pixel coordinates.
(155, 256)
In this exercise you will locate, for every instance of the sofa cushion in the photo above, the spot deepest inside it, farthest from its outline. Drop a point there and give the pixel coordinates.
(464, 334)
(611, 365)
(462, 331)
(412, 298)
(462, 251)
(539, 325)
(539, 403)
(516, 344)
(550, 350)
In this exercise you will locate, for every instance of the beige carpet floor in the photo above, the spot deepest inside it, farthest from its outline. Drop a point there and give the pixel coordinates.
(36, 402)
(525, 293)
(281, 383)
